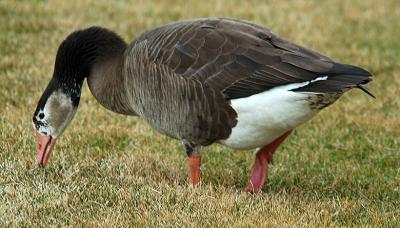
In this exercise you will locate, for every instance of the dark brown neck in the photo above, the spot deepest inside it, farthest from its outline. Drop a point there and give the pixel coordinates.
(94, 53)
(107, 84)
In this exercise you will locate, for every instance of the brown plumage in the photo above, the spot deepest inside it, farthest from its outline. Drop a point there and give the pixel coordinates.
(210, 61)
(183, 77)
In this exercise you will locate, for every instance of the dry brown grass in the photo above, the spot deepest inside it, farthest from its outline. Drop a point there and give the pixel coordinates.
(342, 168)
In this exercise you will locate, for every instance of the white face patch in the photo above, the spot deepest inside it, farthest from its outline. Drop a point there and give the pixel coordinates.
(56, 114)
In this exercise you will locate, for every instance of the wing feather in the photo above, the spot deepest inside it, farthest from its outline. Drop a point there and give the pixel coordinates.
(232, 55)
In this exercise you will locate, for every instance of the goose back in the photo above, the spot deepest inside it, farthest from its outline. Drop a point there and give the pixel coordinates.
(240, 58)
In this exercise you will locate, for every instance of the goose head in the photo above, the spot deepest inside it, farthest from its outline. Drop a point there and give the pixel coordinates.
(55, 110)
(76, 56)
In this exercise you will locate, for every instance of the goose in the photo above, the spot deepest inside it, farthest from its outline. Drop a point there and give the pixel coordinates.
(201, 81)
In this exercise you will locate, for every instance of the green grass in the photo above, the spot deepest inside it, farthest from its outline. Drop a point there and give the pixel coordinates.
(341, 168)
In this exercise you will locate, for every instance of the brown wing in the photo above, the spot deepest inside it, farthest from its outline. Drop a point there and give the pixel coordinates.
(240, 59)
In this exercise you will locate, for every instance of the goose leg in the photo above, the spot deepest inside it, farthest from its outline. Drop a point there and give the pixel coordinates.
(259, 171)
(194, 162)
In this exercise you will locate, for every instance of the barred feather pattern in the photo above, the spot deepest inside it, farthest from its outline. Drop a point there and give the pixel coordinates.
(180, 107)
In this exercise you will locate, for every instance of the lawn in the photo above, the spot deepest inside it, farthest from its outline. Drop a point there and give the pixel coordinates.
(340, 169)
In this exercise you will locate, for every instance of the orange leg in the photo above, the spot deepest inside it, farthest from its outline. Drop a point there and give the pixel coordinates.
(194, 163)
(259, 171)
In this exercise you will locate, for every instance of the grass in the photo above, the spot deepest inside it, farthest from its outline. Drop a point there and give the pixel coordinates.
(340, 169)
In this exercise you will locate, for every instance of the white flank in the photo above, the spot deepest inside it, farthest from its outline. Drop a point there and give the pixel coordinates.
(265, 116)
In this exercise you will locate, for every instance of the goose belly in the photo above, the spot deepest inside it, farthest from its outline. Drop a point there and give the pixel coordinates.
(265, 116)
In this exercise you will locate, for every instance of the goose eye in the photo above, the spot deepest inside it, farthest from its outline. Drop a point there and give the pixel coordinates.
(41, 116)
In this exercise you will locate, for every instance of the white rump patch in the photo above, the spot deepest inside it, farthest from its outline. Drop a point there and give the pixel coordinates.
(265, 116)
